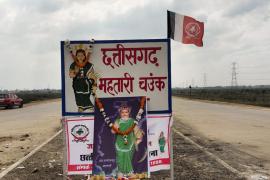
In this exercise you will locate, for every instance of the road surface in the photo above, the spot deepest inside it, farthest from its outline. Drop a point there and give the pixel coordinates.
(247, 128)
(237, 134)
(23, 129)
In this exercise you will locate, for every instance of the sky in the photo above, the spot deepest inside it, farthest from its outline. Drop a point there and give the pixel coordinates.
(235, 31)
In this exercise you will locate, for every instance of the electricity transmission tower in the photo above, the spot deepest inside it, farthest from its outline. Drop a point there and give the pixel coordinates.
(204, 80)
(234, 74)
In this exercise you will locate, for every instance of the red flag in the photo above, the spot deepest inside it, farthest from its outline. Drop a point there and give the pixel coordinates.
(185, 29)
(192, 31)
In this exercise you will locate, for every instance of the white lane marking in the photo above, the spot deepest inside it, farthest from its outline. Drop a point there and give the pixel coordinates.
(10, 168)
(223, 163)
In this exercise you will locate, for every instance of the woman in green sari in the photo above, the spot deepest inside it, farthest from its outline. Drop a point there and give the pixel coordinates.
(125, 144)
(162, 142)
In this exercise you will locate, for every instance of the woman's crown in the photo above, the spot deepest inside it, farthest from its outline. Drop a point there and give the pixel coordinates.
(83, 47)
(79, 46)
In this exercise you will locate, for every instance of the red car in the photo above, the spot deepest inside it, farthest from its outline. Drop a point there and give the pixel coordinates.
(10, 100)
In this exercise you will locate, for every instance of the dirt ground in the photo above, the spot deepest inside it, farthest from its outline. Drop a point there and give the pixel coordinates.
(190, 162)
(244, 127)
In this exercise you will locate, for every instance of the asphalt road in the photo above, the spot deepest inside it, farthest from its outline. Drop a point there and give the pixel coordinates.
(236, 134)
(247, 128)
(34, 117)
(23, 129)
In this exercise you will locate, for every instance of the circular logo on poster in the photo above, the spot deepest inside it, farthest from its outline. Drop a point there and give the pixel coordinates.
(80, 133)
(192, 29)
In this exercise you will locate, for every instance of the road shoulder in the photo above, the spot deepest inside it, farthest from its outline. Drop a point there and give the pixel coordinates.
(189, 163)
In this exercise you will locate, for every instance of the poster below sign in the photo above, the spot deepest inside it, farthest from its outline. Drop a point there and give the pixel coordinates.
(159, 141)
(79, 142)
(121, 154)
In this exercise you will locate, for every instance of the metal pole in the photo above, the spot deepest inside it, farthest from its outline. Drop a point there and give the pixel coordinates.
(171, 153)
(190, 91)
(88, 177)
(65, 176)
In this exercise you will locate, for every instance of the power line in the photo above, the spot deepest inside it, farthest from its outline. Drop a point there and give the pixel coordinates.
(254, 73)
(254, 67)
(255, 79)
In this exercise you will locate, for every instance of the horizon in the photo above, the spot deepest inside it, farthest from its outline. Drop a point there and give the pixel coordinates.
(196, 87)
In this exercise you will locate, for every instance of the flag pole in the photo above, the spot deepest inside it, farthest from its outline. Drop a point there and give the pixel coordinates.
(168, 23)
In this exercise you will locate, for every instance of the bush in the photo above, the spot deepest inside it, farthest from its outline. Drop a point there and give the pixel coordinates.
(38, 95)
(257, 95)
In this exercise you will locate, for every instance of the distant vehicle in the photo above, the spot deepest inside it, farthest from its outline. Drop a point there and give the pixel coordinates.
(9, 100)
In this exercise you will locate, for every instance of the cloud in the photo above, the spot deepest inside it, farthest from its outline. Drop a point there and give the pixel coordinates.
(31, 31)
(243, 7)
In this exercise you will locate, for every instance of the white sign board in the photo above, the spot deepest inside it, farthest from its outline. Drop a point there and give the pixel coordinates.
(124, 68)
(159, 141)
(79, 144)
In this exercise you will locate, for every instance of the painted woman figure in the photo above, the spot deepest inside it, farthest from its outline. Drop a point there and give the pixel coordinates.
(84, 80)
(162, 142)
(125, 144)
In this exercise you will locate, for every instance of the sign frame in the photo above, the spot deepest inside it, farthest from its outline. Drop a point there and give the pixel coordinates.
(62, 46)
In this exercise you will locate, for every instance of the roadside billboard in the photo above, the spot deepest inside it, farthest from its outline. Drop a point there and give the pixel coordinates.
(115, 68)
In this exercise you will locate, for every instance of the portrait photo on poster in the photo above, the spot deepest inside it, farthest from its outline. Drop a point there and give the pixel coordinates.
(120, 138)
